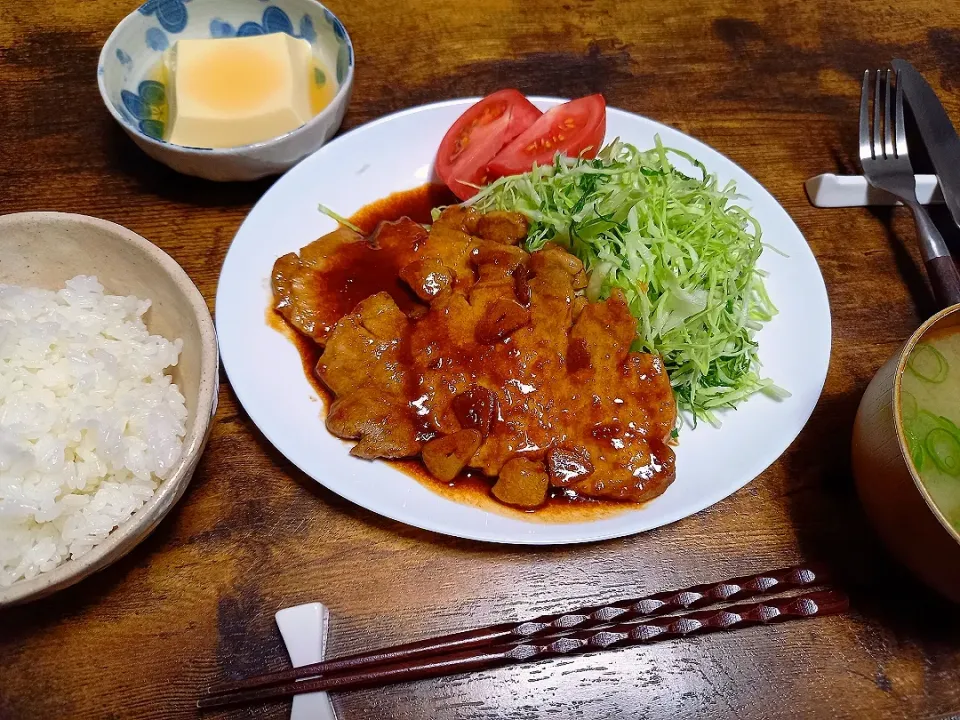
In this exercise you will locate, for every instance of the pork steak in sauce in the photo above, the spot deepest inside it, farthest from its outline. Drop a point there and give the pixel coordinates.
(458, 346)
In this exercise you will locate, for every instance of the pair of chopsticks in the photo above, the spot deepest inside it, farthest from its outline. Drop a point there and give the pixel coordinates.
(626, 623)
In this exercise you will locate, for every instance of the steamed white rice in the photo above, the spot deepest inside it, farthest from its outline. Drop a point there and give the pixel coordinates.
(89, 422)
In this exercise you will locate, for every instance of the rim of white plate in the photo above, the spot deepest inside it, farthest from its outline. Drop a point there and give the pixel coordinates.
(628, 522)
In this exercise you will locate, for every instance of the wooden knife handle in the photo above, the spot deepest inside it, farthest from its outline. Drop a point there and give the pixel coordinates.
(945, 280)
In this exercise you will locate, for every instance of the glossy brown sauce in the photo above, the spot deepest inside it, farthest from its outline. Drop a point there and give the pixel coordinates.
(308, 350)
(362, 278)
(416, 204)
(381, 271)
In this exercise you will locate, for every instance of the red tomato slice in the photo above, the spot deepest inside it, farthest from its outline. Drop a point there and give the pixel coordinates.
(574, 128)
(478, 135)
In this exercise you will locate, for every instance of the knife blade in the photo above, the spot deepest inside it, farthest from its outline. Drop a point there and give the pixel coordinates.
(938, 133)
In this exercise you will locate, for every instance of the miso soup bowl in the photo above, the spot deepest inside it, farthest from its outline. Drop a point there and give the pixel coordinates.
(136, 46)
(894, 498)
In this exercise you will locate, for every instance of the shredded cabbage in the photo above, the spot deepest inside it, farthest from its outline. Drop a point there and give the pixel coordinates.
(680, 248)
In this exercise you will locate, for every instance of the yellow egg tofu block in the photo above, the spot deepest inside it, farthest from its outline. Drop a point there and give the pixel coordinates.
(226, 92)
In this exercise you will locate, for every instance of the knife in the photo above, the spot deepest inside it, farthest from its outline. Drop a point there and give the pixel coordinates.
(939, 136)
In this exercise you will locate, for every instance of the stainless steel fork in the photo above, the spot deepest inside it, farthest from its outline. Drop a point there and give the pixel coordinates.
(886, 165)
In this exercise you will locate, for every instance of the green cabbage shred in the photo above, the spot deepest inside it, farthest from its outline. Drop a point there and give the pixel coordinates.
(681, 249)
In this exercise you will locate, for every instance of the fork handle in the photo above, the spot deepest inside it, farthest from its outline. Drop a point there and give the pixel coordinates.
(942, 271)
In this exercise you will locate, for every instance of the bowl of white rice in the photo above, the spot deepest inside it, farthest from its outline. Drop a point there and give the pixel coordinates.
(108, 384)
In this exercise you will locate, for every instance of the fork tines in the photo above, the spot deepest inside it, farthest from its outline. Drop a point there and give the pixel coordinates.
(888, 140)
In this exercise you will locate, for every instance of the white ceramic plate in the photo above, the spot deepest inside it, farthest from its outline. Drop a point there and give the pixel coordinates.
(396, 153)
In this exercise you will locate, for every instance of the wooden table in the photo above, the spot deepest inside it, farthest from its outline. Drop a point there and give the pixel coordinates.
(773, 85)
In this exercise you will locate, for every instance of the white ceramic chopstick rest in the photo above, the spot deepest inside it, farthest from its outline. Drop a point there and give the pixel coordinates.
(829, 190)
(304, 632)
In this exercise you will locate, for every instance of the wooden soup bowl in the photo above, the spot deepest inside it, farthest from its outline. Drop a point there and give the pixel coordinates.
(895, 499)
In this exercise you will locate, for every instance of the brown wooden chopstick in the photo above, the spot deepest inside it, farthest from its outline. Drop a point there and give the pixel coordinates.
(661, 603)
(769, 610)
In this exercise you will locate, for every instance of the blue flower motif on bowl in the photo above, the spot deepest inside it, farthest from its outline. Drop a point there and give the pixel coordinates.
(221, 29)
(157, 39)
(337, 26)
(123, 57)
(307, 31)
(147, 108)
(344, 61)
(274, 20)
(171, 14)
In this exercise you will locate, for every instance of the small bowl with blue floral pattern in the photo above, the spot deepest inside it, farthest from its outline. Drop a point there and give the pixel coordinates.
(135, 95)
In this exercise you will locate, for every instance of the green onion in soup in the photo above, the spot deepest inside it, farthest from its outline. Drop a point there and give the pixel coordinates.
(930, 411)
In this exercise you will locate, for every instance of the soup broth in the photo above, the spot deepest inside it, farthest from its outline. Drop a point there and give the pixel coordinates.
(930, 410)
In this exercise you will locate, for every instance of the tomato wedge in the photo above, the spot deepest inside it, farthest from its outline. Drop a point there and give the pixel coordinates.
(478, 135)
(574, 128)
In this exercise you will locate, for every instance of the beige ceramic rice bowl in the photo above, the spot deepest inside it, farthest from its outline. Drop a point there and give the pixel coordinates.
(47, 249)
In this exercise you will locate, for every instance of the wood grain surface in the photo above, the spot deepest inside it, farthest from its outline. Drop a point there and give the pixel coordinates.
(774, 85)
